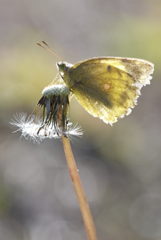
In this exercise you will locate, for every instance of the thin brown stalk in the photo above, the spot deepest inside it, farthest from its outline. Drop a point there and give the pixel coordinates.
(86, 213)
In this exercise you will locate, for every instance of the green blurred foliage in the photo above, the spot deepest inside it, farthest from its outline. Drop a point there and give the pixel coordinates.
(24, 73)
(5, 201)
(140, 39)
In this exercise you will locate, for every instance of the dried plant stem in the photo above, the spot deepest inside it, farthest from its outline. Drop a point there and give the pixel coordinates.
(86, 213)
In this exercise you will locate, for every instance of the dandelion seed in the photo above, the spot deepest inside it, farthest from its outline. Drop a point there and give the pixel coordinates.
(29, 128)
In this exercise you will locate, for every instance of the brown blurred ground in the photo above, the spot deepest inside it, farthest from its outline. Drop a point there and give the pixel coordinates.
(120, 166)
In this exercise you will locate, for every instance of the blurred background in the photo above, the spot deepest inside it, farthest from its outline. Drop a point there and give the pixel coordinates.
(120, 166)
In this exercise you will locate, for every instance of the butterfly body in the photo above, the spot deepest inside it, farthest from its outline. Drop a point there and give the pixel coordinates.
(107, 87)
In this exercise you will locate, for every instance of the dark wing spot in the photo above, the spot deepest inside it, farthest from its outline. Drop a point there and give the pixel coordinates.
(129, 74)
(119, 72)
(123, 99)
(109, 68)
(108, 103)
(124, 60)
(131, 87)
(124, 96)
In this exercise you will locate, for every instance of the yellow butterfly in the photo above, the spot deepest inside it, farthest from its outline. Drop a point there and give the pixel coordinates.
(107, 87)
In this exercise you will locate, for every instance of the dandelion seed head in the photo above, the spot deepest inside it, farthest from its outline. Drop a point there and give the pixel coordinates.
(55, 90)
(54, 122)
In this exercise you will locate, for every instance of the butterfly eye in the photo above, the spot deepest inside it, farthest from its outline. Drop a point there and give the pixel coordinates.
(61, 66)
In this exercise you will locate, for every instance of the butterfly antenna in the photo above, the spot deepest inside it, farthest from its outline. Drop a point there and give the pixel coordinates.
(49, 49)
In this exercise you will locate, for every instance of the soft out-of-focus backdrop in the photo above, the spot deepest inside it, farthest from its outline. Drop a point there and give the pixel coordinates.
(120, 166)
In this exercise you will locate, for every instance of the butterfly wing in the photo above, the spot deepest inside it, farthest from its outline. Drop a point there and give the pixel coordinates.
(108, 87)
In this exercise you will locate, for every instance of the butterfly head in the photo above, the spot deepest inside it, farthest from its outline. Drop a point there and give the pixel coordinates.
(63, 67)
